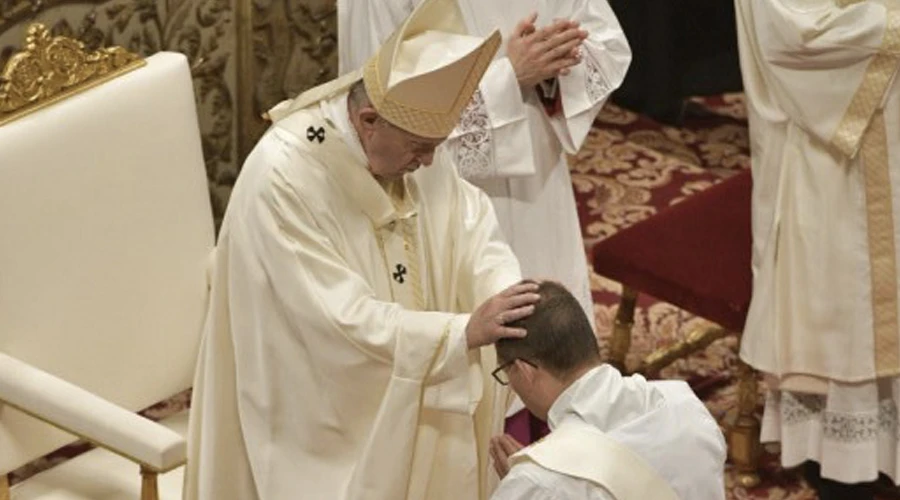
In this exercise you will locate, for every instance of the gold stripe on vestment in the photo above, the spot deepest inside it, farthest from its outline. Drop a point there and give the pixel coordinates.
(882, 251)
(403, 203)
(863, 127)
(848, 137)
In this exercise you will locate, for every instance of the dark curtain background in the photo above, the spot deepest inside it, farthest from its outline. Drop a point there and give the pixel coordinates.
(681, 48)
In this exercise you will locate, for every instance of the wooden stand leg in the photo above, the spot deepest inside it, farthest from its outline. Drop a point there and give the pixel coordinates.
(620, 342)
(149, 489)
(4, 487)
(743, 436)
(696, 341)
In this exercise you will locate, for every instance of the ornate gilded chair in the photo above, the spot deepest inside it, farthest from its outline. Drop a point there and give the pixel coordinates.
(105, 237)
(694, 255)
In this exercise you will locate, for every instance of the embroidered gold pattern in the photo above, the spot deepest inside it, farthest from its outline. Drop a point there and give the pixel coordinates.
(882, 253)
(384, 258)
(410, 243)
(847, 138)
(407, 223)
(403, 204)
(424, 122)
(863, 126)
(50, 69)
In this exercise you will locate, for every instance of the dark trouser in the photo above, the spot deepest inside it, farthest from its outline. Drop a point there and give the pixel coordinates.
(828, 489)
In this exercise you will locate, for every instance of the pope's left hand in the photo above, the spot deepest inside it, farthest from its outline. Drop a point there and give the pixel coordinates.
(502, 447)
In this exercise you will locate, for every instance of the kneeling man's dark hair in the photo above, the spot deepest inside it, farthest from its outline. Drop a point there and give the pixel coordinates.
(560, 338)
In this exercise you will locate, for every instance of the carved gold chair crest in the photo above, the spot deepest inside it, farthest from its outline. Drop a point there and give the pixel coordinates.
(50, 69)
(107, 232)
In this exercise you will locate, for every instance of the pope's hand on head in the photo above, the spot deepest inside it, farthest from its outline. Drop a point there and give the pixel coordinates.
(488, 323)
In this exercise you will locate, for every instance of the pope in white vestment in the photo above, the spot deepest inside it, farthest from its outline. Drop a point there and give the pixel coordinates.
(824, 108)
(335, 363)
(507, 142)
(612, 437)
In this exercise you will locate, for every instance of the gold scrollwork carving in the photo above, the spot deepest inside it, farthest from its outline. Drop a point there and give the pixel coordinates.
(200, 29)
(50, 68)
(245, 56)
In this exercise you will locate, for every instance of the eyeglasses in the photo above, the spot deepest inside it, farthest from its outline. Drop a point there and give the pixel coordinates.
(500, 374)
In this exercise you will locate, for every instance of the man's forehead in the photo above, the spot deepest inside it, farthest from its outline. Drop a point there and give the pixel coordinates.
(418, 139)
(424, 141)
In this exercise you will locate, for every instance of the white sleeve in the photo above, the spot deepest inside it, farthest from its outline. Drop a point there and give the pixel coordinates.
(820, 56)
(605, 60)
(493, 138)
(487, 265)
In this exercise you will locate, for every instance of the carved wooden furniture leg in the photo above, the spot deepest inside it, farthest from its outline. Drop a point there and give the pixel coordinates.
(697, 340)
(4, 487)
(620, 342)
(743, 435)
(149, 490)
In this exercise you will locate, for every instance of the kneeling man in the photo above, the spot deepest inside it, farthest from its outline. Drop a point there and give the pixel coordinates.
(613, 437)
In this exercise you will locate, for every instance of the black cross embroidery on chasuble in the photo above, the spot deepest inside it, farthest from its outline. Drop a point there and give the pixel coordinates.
(313, 133)
(400, 273)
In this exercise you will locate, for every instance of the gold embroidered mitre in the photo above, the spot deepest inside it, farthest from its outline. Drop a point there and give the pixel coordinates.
(422, 76)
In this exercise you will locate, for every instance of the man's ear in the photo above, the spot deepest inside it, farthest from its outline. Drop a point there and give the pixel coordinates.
(368, 117)
(527, 370)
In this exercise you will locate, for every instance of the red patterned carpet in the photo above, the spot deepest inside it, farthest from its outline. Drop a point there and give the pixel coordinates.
(630, 168)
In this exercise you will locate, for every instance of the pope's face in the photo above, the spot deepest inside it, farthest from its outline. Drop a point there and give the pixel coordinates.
(393, 152)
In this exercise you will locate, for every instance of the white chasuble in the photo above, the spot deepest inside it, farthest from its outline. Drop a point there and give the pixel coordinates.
(507, 142)
(824, 108)
(334, 364)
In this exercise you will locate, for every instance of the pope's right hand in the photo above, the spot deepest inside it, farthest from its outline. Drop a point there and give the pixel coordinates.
(488, 323)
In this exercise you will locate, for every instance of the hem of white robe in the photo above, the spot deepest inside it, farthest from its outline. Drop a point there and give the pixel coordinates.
(852, 432)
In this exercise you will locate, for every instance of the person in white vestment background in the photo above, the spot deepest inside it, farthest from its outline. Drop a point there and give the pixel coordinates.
(612, 437)
(823, 103)
(356, 279)
(558, 64)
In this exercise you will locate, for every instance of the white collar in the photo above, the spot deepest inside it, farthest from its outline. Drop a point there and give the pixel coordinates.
(335, 110)
(602, 397)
